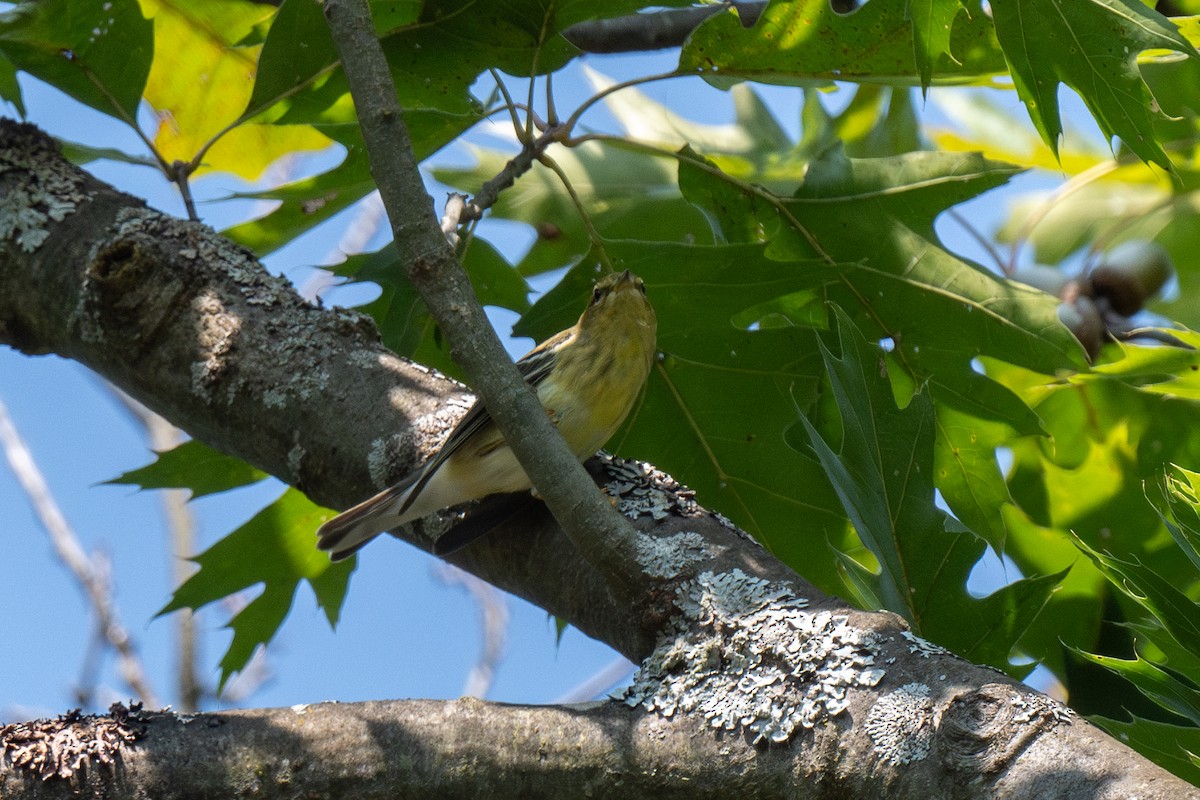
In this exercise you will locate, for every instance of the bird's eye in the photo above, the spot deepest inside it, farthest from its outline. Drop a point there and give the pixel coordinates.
(597, 293)
(642, 287)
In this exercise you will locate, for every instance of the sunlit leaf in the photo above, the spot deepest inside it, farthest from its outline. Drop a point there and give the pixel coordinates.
(199, 85)
(275, 549)
(193, 465)
(1179, 507)
(1173, 693)
(807, 40)
(1179, 615)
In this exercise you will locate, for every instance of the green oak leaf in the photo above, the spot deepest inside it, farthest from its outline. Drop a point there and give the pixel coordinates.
(276, 548)
(97, 51)
(1092, 46)
(1174, 747)
(806, 41)
(193, 465)
(882, 470)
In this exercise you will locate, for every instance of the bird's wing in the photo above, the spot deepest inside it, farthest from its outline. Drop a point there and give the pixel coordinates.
(534, 366)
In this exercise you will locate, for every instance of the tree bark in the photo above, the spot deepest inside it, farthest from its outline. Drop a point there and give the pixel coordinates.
(751, 680)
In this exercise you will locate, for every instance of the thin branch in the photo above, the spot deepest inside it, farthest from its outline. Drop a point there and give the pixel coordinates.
(493, 620)
(71, 553)
(593, 234)
(578, 113)
(615, 672)
(161, 436)
(655, 31)
(981, 240)
(602, 535)
(180, 173)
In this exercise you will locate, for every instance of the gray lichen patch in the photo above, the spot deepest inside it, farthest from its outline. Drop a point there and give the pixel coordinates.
(641, 489)
(382, 459)
(901, 724)
(668, 556)
(38, 188)
(923, 647)
(744, 654)
(432, 429)
(1033, 707)
(63, 747)
(216, 334)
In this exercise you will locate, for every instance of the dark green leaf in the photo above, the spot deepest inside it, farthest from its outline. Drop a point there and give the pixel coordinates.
(298, 48)
(1173, 747)
(10, 90)
(883, 474)
(196, 466)
(405, 324)
(1093, 48)
(1179, 616)
(932, 21)
(97, 51)
(275, 548)
(1172, 692)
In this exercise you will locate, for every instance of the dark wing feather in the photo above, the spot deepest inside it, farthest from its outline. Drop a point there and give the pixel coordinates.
(534, 366)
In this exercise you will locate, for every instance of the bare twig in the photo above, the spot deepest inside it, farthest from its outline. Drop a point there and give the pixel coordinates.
(493, 619)
(70, 552)
(608, 676)
(982, 241)
(161, 436)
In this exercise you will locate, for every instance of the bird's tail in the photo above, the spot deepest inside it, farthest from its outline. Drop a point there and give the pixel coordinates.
(348, 532)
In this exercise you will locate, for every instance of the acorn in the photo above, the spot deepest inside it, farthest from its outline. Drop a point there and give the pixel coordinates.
(1130, 274)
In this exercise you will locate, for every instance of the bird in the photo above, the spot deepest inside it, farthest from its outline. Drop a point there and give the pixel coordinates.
(587, 377)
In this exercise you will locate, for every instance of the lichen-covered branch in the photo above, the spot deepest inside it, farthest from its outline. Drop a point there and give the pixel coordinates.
(752, 682)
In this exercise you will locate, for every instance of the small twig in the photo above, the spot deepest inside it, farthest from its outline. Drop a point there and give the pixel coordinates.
(517, 166)
(512, 106)
(71, 553)
(493, 619)
(1125, 333)
(981, 240)
(161, 436)
(657, 31)
(593, 234)
(617, 670)
(180, 173)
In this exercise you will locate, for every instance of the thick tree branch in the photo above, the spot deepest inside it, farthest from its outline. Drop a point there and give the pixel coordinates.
(734, 646)
(600, 534)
